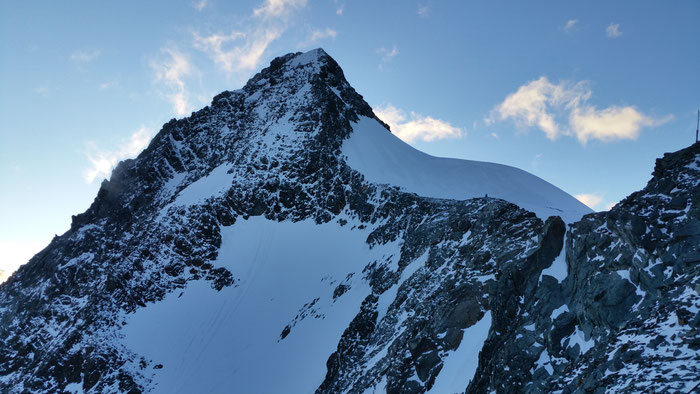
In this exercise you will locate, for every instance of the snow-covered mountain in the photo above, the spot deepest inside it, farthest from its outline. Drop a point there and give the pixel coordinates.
(283, 240)
(384, 159)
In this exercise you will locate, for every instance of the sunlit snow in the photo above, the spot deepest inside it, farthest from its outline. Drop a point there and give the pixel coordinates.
(383, 158)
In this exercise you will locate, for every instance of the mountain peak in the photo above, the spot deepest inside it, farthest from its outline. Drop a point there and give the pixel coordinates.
(289, 196)
(313, 64)
(301, 102)
(316, 56)
(313, 56)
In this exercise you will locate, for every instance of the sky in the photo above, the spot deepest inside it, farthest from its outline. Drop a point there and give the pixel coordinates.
(585, 95)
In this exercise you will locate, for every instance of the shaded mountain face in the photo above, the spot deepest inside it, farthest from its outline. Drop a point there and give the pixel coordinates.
(282, 240)
(625, 318)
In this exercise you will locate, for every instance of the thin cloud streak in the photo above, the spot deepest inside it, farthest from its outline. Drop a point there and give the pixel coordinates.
(171, 73)
(278, 8)
(318, 35)
(242, 51)
(244, 57)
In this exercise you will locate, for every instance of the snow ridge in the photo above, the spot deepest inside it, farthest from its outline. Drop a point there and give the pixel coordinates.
(278, 221)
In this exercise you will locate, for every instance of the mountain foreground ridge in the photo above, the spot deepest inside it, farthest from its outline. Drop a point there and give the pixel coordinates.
(283, 240)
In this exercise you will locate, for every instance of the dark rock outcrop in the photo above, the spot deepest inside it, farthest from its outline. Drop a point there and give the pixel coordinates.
(625, 318)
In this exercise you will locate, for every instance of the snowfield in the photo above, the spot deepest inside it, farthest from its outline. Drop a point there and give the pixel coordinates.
(461, 364)
(240, 253)
(383, 158)
(286, 274)
(229, 341)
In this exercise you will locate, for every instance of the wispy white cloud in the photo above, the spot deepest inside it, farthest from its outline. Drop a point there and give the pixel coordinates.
(107, 85)
(84, 57)
(423, 11)
(415, 126)
(536, 161)
(200, 5)
(318, 35)
(388, 54)
(243, 57)
(563, 109)
(278, 8)
(590, 199)
(529, 106)
(610, 124)
(339, 7)
(613, 30)
(570, 24)
(103, 161)
(171, 72)
(243, 50)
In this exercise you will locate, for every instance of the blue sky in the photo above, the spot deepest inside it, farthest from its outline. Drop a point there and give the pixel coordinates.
(583, 94)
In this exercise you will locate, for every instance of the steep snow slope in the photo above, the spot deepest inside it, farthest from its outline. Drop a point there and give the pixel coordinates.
(625, 319)
(462, 363)
(209, 341)
(383, 158)
(241, 252)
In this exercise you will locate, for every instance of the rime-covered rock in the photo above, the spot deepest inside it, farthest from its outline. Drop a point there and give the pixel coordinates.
(283, 240)
(625, 318)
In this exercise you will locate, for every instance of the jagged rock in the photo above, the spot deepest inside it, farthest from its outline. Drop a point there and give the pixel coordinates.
(631, 282)
(435, 275)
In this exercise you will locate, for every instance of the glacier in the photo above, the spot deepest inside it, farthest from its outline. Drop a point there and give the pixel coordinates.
(282, 239)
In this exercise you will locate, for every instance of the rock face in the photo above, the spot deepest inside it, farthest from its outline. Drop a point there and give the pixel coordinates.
(444, 295)
(625, 318)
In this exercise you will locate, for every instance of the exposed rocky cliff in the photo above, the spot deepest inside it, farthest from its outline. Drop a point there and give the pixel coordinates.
(435, 281)
(625, 318)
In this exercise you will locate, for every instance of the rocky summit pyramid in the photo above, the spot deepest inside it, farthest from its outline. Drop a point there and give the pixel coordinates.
(283, 240)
